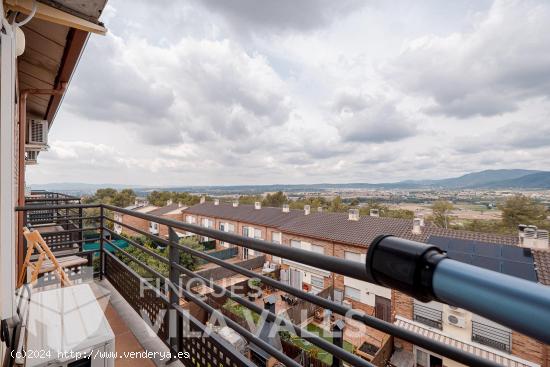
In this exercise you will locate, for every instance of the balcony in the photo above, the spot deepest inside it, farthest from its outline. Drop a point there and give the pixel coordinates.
(189, 310)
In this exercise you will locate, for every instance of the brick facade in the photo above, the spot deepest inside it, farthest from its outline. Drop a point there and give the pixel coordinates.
(402, 305)
(528, 348)
(134, 222)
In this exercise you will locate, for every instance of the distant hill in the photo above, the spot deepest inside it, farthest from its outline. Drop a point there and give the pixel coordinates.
(502, 178)
(538, 180)
(481, 179)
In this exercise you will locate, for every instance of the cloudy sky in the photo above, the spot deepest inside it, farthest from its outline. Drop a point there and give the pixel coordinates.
(201, 92)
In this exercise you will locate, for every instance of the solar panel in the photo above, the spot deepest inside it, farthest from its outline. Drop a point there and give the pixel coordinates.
(486, 262)
(507, 259)
(482, 249)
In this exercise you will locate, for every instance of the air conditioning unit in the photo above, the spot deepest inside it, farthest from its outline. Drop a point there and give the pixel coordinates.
(38, 132)
(457, 321)
(31, 157)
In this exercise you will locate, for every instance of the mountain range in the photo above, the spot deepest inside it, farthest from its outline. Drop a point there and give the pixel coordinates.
(488, 179)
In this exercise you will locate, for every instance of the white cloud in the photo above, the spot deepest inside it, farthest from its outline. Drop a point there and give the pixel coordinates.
(485, 71)
(233, 92)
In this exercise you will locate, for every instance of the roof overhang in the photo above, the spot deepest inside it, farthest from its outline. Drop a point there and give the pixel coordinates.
(55, 38)
(60, 14)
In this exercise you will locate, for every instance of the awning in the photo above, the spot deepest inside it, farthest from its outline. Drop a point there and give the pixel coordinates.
(474, 348)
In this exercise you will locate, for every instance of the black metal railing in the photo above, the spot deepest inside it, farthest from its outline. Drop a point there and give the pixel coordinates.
(492, 336)
(428, 316)
(61, 227)
(159, 292)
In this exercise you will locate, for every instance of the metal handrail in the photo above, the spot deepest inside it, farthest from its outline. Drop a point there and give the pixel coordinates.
(331, 264)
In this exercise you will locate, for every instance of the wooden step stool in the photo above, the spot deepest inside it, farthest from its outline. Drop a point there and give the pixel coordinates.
(46, 261)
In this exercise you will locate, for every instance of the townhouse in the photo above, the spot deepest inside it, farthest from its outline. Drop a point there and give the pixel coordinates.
(170, 211)
(347, 235)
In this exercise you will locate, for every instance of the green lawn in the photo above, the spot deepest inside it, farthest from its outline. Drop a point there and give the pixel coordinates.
(321, 354)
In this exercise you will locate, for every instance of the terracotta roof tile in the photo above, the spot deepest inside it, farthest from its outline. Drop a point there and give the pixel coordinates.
(337, 228)
(266, 216)
(166, 209)
(542, 264)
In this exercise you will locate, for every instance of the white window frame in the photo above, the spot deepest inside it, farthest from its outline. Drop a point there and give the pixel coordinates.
(318, 249)
(353, 256)
(319, 281)
(257, 233)
(347, 294)
(279, 240)
(427, 352)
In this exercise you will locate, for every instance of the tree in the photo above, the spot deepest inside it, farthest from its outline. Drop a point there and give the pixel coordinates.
(520, 209)
(277, 199)
(186, 259)
(105, 195)
(124, 198)
(249, 199)
(336, 205)
(441, 210)
(159, 198)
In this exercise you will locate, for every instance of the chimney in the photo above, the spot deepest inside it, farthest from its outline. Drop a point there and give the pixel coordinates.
(203, 199)
(542, 239)
(374, 213)
(521, 233)
(417, 226)
(269, 304)
(169, 202)
(180, 204)
(235, 203)
(136, 202)
(216, 201)
(286, 208)
(307, 209)
(529, 236)
(353, 214)
(257, 205)
(319, 209)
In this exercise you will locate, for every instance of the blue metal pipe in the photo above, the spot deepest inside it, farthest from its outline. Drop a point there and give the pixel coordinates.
(426, 273)
(519, 304)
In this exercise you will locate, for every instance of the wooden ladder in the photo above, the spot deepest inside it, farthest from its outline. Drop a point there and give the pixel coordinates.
(35, 241)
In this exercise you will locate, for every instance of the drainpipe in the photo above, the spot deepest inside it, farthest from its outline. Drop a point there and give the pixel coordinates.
(22, 140)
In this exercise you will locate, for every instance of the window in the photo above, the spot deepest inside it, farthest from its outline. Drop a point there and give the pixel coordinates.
(223, 227)
(257, 234)
(317, 281)
(425, 359)
(276, 237)
(352, 293)
(191, 219)
(207, 223)
(318, 249)
(353, 256)
(295, 244)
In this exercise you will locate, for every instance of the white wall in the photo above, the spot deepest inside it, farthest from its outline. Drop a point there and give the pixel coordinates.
(368, 290)
(7, 176)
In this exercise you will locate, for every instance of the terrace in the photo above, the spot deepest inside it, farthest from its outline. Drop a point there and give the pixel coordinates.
(183, 319)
